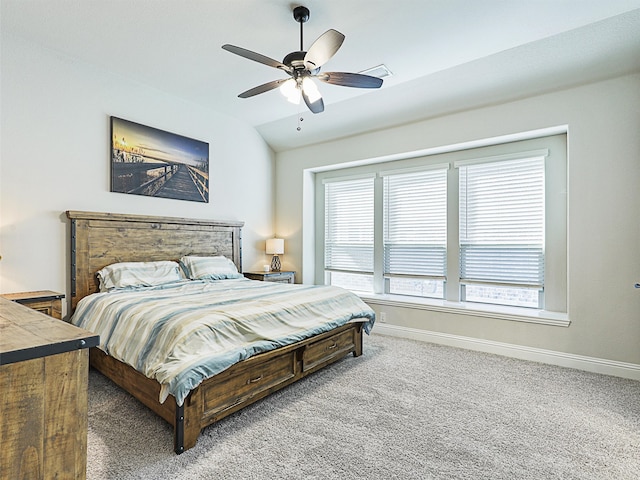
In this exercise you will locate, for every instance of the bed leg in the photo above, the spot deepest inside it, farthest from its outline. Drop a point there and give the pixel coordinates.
(178, 431)
(187, 423)
(357, 341)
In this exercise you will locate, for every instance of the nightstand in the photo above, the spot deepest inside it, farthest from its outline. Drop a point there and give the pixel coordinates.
(278, 277)
(44, 301)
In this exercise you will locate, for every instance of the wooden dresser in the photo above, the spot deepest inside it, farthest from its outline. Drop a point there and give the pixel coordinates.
(44, 365)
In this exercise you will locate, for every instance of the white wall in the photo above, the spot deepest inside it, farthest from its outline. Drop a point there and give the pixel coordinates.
(603, 211)
(55, 157)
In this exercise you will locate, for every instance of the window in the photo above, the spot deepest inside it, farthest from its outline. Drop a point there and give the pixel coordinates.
(475, 226)
(502, 230)
(415, 232)
(348, 245)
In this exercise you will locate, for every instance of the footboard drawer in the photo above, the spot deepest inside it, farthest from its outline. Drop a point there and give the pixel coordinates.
(238, 385)
(324, 351)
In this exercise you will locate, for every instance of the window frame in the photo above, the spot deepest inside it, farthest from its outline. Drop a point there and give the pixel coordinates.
(487, 175)
(341, 267)
(556, 259)
(388, 175)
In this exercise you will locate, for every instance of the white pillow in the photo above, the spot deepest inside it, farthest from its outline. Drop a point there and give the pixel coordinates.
(138, 274)
(209, 268)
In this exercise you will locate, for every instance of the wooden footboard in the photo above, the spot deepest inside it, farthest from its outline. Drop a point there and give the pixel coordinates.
(236, 387)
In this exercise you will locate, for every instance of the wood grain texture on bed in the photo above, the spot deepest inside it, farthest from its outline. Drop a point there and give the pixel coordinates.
(100, 239)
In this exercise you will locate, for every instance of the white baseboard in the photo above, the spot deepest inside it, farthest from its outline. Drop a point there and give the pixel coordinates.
(580, 362)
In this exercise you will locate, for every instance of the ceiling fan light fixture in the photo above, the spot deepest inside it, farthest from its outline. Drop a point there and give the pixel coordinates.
(311, 89)
(290, 90)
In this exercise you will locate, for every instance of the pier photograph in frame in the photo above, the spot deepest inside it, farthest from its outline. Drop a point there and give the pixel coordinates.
(151, 162)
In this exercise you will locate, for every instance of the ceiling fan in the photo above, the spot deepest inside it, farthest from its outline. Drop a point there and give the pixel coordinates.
(302, 67)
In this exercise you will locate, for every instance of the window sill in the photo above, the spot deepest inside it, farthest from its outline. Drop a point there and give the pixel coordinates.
(474, 309)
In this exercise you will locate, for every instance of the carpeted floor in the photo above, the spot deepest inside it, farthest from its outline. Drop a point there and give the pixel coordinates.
(405, 410)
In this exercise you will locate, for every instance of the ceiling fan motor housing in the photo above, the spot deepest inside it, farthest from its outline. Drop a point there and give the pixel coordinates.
(295, 60)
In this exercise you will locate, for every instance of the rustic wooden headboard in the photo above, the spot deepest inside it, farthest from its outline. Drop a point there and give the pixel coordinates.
(100, 239)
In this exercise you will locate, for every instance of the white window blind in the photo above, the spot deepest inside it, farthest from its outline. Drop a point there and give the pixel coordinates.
(415, 224)
(502, 222)
(349, 209)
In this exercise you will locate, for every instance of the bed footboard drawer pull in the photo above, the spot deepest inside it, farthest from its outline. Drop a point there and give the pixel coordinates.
(323, 351)
(254, 380)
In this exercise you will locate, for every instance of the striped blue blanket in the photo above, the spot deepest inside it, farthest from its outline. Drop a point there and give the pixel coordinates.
(182, 333)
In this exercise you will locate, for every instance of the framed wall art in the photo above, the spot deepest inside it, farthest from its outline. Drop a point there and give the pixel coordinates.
(155, 163)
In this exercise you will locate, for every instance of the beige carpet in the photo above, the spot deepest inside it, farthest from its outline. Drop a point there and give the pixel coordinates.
(405, 410)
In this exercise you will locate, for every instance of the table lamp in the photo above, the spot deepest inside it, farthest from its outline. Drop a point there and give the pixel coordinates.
(275, 247)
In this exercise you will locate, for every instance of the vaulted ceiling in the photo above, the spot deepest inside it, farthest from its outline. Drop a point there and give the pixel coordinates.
(445, 55)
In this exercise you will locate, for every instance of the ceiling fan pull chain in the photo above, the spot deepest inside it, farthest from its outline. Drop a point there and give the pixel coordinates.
(300, 120)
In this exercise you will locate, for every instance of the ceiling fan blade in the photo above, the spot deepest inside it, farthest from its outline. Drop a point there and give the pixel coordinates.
(315, 107)
(344, 79)
(265, 87)
(323, 49)
(256, 57)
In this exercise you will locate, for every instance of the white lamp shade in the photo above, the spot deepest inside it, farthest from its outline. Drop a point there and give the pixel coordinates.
(290, 90)
(275, 246)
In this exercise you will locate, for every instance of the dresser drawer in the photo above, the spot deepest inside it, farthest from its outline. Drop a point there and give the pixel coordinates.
(282, 277)
(241, 384)
(322, 351)
(278, 277)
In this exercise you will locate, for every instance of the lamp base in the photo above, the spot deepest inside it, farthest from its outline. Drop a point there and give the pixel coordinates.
(275, 264)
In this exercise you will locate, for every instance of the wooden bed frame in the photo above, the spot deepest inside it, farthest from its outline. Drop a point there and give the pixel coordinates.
(100, 239)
